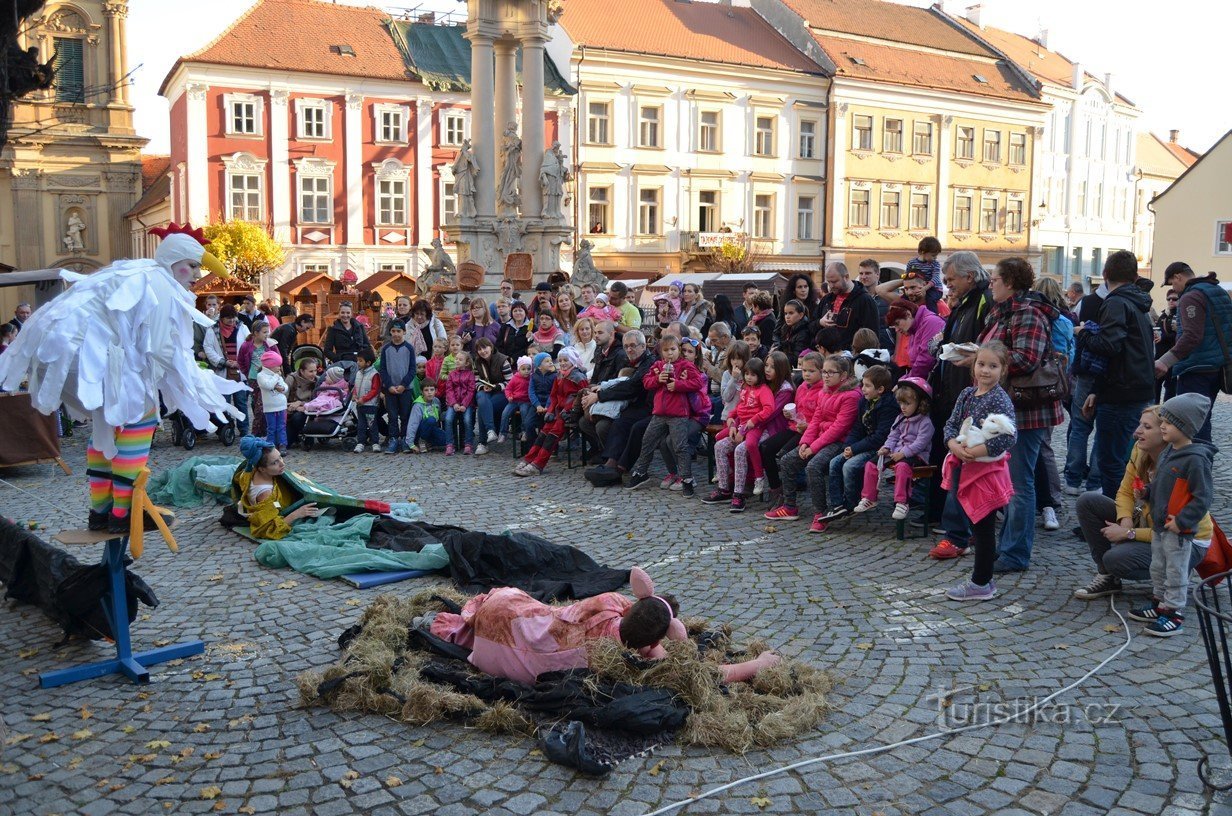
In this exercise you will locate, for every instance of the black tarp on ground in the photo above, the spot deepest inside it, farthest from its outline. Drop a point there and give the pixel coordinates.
(69, 592)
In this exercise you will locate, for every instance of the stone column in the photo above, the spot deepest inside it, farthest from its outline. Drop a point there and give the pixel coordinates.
(426, 216)
(353, 143)
(198, 181)
(117, 60)
(506, 84)
(532, 125)
(483, 131)
(280, 169)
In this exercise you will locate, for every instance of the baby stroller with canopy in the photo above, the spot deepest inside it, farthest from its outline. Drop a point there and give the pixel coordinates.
(341, 423)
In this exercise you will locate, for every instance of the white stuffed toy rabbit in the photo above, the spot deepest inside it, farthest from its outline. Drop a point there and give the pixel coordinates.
(994, 425)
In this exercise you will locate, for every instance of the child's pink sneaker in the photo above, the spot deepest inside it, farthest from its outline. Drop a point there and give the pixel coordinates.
(449, 450)
(467, 450)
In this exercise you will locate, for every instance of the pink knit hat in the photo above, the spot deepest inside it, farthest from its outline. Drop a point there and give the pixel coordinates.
(271, 359)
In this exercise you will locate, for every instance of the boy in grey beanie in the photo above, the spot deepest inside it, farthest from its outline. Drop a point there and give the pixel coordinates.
(1180, 496)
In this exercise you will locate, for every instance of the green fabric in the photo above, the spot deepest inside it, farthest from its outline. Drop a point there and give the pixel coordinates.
(325, 549)
(441, 57)
(188, 483)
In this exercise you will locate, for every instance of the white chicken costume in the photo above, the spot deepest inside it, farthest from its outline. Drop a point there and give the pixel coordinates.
(107, 347)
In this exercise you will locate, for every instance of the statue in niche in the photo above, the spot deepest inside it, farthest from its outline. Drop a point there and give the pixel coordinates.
(511, 168)
(441, 269)
(584, 269)
(552, 177)
(465, 170)
(73, 229)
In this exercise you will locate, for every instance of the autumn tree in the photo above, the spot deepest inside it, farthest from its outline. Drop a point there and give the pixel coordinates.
(246, 249)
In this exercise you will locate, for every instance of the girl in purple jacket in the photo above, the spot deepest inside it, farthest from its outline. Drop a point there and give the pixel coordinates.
(907, 446)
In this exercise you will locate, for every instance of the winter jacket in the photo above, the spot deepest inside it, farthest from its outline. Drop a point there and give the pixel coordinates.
(565, 391)
(1024, 325)
(674, 403)
(1183, 485)
(249, 357)
(213, 345)
(858, 311)
(432, 373)
(368, 385)
(912, 436)
(698, 315)
(977, 407)
(700, 406)
(608, 362)
(833, 417)
(299, 388)
(964, 325)
(794, 340)
(807, 397)
(513, 341)
(754, 407)
(1128, 506)
(396, 359)
(1203, 304)
(873, 423)
(460, 388)
(1125, 339)
(632, 391)
(777, 422)
(273, 400)
(341, 343)
(541, 388)
(518, 388)
(766, 323)
(983, 487)
(924, 328)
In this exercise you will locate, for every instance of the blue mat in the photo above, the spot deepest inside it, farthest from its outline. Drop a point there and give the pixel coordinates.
(366, 580)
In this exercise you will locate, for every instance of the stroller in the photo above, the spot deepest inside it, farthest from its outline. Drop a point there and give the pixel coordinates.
(340, 424)
(184, 433)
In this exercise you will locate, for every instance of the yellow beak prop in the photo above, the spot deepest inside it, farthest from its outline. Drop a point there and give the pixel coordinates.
(212, 264)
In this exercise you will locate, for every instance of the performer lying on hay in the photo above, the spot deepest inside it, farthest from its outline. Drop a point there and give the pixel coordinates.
(612, 703)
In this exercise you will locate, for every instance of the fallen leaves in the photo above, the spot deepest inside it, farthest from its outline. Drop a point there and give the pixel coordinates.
(864, 647)
(212, 756)
(200, 728)
(214, 578)
(762, 802)
(128, 729)
(83, 734)
(86, 713)
(658, 768)
(348, 779)
(166, 780)
(393, 782)
(16, 739)
(238, 721)
(51, 736)
(1112, 627)
(288, 584)
(26, 654)
(44, 717)
(157, 745)
(212, 792)
(248, 809)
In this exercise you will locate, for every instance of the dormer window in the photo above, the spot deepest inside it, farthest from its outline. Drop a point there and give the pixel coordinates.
(342, 50)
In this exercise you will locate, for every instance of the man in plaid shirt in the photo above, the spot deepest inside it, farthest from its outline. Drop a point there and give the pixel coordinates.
(1024, 324)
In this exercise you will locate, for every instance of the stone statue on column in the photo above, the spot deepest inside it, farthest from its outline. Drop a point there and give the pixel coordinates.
(465, 169)
(508, 193)
(584, 269)
(552, 177)
(441, 269)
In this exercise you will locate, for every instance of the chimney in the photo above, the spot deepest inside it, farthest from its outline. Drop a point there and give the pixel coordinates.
(1078, 76)
(974, 13)
(1173, 136)
(1042, 39)
(1108, 84)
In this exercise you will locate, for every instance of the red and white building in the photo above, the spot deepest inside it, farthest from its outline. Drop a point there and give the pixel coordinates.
(325, 124)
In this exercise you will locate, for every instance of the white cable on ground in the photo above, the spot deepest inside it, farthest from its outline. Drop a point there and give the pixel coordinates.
(879, 749)
(41, 500)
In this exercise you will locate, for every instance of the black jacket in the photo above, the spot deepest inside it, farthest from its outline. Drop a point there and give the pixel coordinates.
(1126, 339)
(859, 312)
(632, 389)
(342, 343)
(609, 363)
(794, 340)
(285, 337)
(964, 325)
(513, 342)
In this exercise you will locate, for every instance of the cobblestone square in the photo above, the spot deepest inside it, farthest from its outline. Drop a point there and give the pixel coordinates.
(223, 731)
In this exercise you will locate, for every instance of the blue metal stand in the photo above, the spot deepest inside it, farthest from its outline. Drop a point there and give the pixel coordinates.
(115, 605)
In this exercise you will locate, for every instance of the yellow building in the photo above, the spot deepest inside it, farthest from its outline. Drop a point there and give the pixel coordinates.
(1158, 164)
(72, 167)
(1193, 217)
(933, 132)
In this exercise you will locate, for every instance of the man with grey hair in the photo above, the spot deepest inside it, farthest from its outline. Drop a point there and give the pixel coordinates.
(846, 308)
(20, 315)
(630, 391)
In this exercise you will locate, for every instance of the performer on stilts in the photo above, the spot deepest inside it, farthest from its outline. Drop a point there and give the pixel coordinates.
(107, 347)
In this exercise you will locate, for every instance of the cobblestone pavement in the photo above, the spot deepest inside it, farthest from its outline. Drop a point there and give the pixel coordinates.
(222, 732)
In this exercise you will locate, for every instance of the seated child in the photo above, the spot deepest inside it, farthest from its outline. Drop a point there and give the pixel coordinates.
(517, 392)
(432, 369)
(330, 395)
(451, 360)
(752, 337)
(543, 376)
(547, 337)
(425, 425)
(512, 635)
(611, 408)
(867, 351)
(907, 447)
(875, 415)
(565, 389)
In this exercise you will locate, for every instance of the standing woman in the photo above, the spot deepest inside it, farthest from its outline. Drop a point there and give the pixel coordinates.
(428, 326)
(402, 311)
(725, 313)
(1048, 493)
(695, 311)
(802, 288)
(1023, 325)
(515, 336)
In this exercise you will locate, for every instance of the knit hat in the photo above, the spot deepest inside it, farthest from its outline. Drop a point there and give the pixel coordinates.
(569, 355)
(271, 359)
(539, 358)
(524, 360)
(252, 448)
(421, 361)
(1187, 412)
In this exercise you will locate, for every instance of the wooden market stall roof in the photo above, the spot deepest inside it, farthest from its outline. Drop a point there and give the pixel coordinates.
(393, 278)
(293, 286)
(212, 284)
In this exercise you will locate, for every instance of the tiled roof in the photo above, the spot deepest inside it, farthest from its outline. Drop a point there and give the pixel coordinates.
(441, 57)
(697, 31)
(297, 35)
(1160, 157)
(1197, 161)
(153, 167)
(893, 22)
(155, 183)
(1183, 154)
(926, 69)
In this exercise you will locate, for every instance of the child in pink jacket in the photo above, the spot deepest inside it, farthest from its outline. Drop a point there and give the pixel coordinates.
(754, 406)
(833, 417)
(517, 392)
(460, 388)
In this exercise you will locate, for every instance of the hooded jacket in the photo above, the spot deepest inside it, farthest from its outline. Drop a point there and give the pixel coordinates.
(873, 423)
(833, 417)
(1183, 485)
(859, 311)
(674, 403)
(794, 340)
(342, 343)
(924, 328)
(1126, 340)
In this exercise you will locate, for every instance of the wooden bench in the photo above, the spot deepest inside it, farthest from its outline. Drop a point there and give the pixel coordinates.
(923, 473)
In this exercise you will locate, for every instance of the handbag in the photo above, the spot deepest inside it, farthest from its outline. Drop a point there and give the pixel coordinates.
(1047, 383)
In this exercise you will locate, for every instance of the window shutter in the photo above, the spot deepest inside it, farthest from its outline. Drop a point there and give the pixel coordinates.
(70, 71)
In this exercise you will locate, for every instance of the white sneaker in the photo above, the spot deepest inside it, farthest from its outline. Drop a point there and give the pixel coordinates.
(423, 446)
(358, 449)
(900, 511)
(1051, 522)
(491, 437)
(376, 448)
(760, 486)
(500, 440)
(480, 450)
(864, 506)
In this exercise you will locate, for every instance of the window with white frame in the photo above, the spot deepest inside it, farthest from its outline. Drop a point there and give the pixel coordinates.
(892, 136)
(920, 211)
(244, 199)
(763, 136)
(857, 215)
(808, 139)
(313, 118)
(964, 143)
(316, 268)
(1081, 206)
(391, 123)
(708, 131)
(388, 266)
(449, 201)
(708, 211)
(453, 127)
(599, 209)
(391, 202)
(648, 211)
(806, 217)
(598, 116)
(890, 204)
(763, 216)
(861, 133)
(1097, 203)
(315, 202)
(962, 213)
(1013, 216)
(648, 117)
(922, 138)
(1223, 246)
(243, 114)
(1018, 149)
(1090, 130)
(992, 146)
(988, 215)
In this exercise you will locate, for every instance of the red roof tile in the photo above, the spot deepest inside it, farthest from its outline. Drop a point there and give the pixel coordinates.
(699, 31)
(155, 183)
(297, 35)
(153, 167)
(892, 22)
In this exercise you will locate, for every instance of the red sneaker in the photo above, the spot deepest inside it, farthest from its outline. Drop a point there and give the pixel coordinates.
(818, 526)
(946, 550)
(783, 512)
